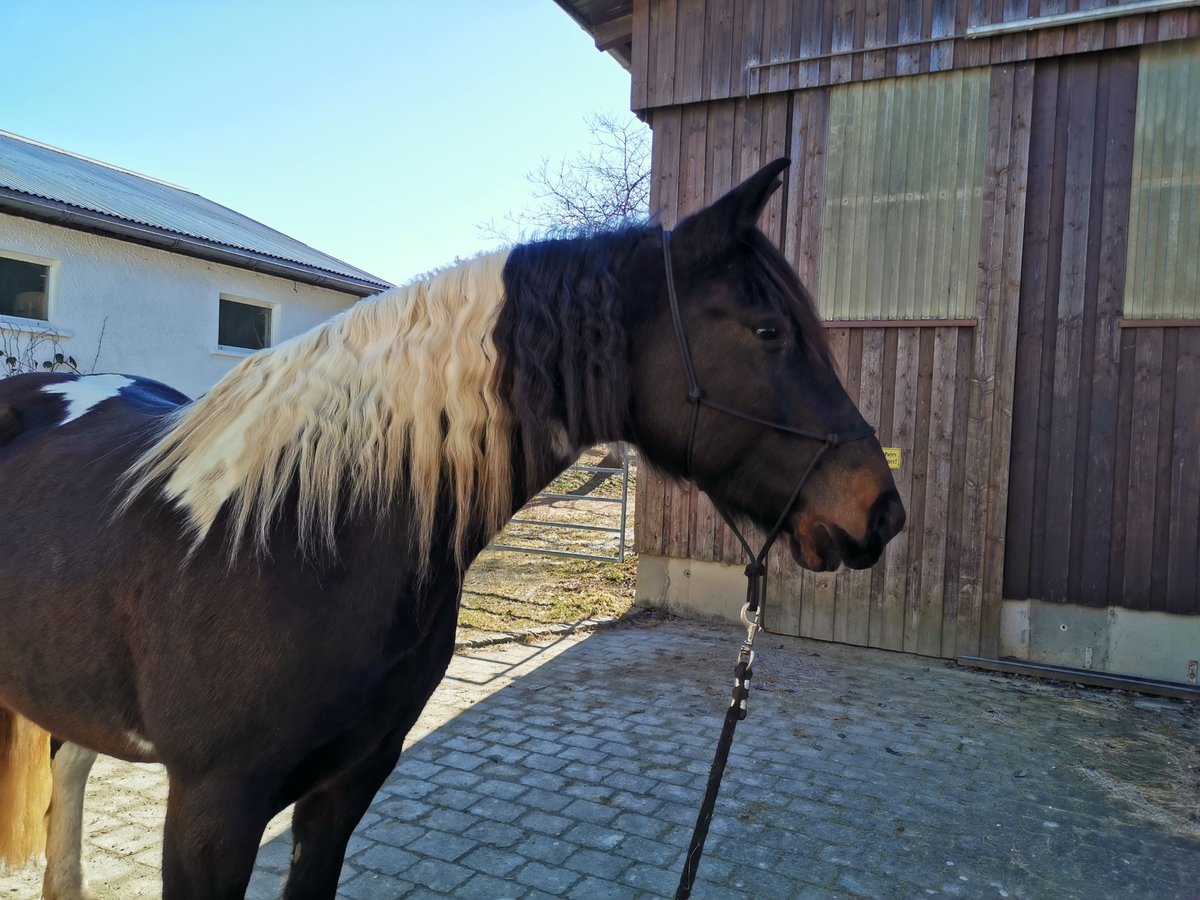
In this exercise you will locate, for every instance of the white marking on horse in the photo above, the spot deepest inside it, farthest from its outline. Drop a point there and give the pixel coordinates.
(86, 392)
(139, 744)
(65, 878)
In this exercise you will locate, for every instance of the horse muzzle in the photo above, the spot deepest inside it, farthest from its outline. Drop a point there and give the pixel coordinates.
(821, 545)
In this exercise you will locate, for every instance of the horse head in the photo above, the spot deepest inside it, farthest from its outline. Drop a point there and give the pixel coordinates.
(735, 387)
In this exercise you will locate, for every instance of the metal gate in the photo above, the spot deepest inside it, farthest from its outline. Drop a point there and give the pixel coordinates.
(604, 509)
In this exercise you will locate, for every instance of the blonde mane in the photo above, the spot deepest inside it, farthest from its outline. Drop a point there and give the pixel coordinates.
(397, 391)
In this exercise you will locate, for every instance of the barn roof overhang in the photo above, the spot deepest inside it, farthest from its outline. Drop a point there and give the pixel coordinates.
(609, 22)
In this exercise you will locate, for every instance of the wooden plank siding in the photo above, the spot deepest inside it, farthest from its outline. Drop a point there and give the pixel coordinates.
(1104, 495)
(1142, 552)
(1042, 378)
(752, 47)
(939, 391)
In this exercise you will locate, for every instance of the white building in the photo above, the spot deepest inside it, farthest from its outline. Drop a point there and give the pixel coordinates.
(128, 274)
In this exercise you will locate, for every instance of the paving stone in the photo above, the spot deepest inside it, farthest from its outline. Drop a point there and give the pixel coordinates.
(543, 763)
(495, 834)
(501, 788)
(597, 793)
(547, 801)
(547, 781)
(402, 808)
(628, 781)
(650, 851)
(545, 848)
(449, 820)
(584, 741)
(458, 760)
(588, 811)
(370, 886)
(438, 875)
(499, 810)
(595, 836)
(440, 845)
(452, 798)
(592, 888)
(579, 754)
(540, 745)
(465, 744)
(459, 777)
(547, 823)
(400, 785)
(640, 825)
(275, 856)
(488, 887)
(493, 861)
(397, 834)
(597, 863)
(553, 880)
(386, 860)
(655, 881)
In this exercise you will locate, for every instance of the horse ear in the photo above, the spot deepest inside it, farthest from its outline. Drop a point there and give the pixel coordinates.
(718, 225)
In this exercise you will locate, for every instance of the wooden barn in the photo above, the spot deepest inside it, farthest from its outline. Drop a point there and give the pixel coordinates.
(997, 205)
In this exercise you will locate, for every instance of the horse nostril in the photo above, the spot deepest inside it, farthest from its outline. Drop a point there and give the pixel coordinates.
(890, 516)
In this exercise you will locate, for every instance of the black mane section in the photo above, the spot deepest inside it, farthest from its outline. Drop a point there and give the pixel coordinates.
(561, 341)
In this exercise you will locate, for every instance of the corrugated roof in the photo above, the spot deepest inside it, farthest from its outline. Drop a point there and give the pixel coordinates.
(46, 182)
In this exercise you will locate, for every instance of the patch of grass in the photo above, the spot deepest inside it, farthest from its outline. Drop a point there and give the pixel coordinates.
(507, 593)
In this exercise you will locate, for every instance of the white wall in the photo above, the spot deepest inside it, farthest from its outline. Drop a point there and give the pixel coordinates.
(161, 308)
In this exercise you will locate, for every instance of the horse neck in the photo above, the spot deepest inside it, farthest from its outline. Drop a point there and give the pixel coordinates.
(564, 352)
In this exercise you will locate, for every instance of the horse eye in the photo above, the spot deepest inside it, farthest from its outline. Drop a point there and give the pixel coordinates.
(766, 334)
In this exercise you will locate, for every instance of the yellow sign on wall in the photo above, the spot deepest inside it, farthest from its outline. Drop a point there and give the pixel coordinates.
(892, 454)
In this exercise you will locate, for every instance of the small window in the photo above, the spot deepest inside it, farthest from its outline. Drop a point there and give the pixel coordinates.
(1162, 274)
(244, 324)
(903, 197)
(24, 287)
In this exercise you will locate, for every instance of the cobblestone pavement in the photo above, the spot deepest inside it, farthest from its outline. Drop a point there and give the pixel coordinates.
(575, 769)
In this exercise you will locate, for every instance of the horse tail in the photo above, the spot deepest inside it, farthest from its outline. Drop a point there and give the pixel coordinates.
(25, 785)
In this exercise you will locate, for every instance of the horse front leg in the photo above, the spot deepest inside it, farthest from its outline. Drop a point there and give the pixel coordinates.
(65, 879)
(324, 819)
(214, 825)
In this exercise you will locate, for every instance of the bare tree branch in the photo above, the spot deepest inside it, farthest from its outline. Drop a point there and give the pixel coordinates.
(600, 187)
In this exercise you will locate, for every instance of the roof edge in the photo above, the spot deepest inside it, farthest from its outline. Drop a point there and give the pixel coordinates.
(64, 214)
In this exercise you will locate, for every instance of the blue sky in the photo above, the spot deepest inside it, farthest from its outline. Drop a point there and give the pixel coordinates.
(380, 131)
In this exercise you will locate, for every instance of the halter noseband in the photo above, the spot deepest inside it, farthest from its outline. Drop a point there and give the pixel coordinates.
(697, 398)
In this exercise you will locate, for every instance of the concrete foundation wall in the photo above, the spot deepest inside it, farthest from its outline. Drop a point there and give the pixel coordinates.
(691, 588)
(1120, 641)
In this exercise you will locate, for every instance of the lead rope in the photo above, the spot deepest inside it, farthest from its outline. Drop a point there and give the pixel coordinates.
(756, 571)
(756, 595)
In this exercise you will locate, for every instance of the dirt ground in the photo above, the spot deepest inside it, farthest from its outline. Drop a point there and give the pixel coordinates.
(510, 592)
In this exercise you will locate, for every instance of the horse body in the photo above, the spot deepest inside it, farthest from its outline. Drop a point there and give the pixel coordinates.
(158, 658)
(259, 589)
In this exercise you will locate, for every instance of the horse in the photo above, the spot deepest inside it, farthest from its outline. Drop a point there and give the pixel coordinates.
(259, 588)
